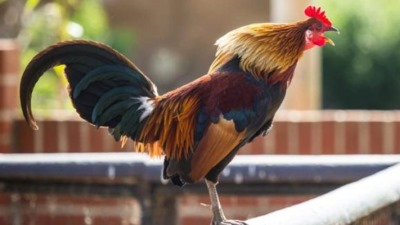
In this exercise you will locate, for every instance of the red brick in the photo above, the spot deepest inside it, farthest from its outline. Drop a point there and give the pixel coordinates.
(109, 220)
(34, 208)
(289, 200)
(247, 200)
(281, 137)
(278, 201)
(195, 220)
(389, 138)
(75, 200)
(101, 141)
(7, 220)
(246, 149)
(188, 199)
(376, 137)
(203, 199)
(305, 138)
(6, 138)
(228, 199)
(54, 219)
(328, 137)
(11, 79)
(352, 137)
(268, 145)
(9, 57)
(5, 148)
(74, 136)
(251, 148)
(85, 129)
(23, 137)
(106, 140)
(5, 127)
(5, 199)
(82, 200)
(364, 137)
(296, 199)
(96, 140)
(109, 142)
(8, 97)
(50, 136)
(340, 138)
(224, 199)
(257, 146)
(293, 137)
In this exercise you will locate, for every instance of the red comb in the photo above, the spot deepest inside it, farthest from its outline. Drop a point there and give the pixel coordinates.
(313, 12)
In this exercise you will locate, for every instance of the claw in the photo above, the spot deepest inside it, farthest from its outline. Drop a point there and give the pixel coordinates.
(229, 222)
(206, 205)
(218, 215)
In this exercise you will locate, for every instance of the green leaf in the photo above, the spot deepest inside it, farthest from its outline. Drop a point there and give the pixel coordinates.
(31, 4)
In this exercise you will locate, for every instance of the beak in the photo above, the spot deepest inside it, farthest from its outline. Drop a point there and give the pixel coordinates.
(328, 40)
(334, 29)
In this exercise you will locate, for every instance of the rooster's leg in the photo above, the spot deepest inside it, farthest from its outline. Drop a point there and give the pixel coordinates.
(218, 215)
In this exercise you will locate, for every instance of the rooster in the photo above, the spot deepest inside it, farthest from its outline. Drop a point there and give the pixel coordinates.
(198, 127)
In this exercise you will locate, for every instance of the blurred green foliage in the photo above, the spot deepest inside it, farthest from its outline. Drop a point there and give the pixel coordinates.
(363, 70)
(47, 22)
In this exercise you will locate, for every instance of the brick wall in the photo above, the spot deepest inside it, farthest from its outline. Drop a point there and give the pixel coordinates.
(331, 132)
(49, 209)
(294, 132)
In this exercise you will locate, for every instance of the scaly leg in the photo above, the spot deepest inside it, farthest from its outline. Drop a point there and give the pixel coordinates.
(218, 215)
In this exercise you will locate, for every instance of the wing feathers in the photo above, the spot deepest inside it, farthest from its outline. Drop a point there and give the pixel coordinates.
(216, 144)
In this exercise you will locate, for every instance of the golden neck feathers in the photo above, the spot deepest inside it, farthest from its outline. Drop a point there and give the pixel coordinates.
(263, 48)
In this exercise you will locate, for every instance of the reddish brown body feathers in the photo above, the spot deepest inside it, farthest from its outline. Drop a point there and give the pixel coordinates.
(174, 121)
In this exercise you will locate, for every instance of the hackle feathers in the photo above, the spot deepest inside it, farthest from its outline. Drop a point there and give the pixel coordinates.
(263, 48)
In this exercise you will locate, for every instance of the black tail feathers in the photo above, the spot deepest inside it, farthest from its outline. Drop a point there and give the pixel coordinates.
(105, 87)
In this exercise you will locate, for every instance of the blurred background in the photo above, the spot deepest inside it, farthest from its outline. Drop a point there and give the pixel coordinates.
(173, 41)
(343, 99)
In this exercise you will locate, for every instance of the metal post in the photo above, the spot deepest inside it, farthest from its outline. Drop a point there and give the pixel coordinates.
(164, 208)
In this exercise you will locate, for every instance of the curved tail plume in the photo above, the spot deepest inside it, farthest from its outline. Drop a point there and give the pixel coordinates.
(105, 87)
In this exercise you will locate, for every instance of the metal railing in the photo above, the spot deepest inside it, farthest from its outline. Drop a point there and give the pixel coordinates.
(351, 204)
(136, 175)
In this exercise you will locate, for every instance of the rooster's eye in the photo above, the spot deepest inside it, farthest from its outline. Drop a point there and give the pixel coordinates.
(318, 26)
